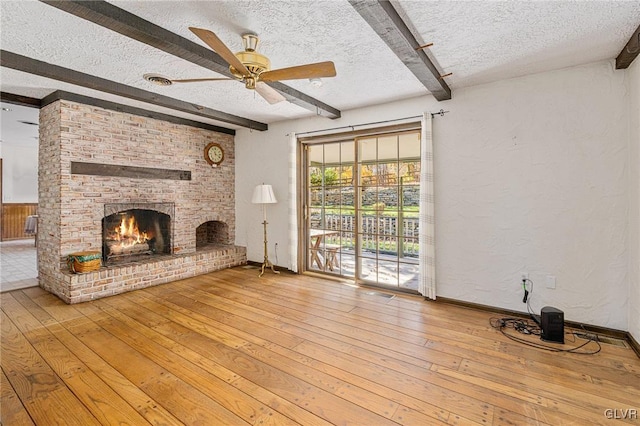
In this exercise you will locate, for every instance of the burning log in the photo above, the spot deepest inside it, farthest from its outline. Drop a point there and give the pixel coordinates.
(118, 248)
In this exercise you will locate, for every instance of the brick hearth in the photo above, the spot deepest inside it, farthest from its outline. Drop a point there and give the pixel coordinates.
(71, 206)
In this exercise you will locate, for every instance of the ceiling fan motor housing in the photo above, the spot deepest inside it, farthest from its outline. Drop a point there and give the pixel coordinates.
(252, 60)
(255, 63)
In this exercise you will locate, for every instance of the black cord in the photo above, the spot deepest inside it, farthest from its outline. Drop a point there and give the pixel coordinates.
(524, 326)
(528, 293)
(520, 325)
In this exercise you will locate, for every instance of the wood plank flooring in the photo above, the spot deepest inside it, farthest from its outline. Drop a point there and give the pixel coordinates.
(231, 348)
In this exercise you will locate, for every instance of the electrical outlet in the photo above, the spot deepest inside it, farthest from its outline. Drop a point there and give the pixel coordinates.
(551, 281)
(524, 275)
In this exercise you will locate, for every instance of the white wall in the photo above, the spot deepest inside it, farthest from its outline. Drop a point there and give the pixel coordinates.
(531, 175)
(19, 173)
(634, 197)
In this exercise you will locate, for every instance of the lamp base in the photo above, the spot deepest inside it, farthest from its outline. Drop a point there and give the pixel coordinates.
(266, 263)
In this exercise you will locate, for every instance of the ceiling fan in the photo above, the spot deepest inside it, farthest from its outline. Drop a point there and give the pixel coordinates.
(251, 67)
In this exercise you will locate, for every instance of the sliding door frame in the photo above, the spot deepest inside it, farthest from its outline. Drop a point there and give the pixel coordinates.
(304, 190)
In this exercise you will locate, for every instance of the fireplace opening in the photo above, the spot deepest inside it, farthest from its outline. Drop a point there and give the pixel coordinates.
(135, 233)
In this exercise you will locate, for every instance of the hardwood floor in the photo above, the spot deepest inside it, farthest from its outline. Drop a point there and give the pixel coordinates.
(231, 348)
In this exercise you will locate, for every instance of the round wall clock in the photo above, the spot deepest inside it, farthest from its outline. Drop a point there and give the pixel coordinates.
(213, 153)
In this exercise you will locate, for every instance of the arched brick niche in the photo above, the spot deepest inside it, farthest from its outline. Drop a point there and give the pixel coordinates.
(213, 232)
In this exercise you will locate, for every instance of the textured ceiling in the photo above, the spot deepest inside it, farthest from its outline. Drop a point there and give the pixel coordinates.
(477, 41)
(16, 129)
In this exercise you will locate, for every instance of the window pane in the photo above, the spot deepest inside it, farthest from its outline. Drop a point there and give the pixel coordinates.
(388, 273)
(314, 259)
(331, 176)
(332, 153)
(388, 200)
(347, 240)
(387, 148)
(332, 219)
(316, 154)
(409, 276)
(368, 197)
(368, 269)
(409, 145)
(367, 150)
(368, 222)
(387, 225)
(316, 218)
(315, 176)
(409, 172)
(368, 243)
(409, 249)
(367, 174)
(346, 175)
(388, 246)
(347, 222)
(386, 173)
(347, 152)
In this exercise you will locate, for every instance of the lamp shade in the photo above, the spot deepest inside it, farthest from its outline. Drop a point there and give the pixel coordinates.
(263, 194)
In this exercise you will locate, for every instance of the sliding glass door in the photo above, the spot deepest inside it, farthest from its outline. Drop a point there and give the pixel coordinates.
(387, 209)
(331, 225)
(362, 209)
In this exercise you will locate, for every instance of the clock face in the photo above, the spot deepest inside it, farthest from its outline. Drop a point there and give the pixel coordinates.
(213, 153)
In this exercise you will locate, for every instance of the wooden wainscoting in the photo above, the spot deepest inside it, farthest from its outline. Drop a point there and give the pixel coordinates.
(229, 348)
(14, 215)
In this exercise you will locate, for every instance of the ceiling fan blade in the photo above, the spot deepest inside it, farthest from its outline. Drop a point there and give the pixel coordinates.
(195, 80)
(220, 48)
(270, 94)
(317, 70)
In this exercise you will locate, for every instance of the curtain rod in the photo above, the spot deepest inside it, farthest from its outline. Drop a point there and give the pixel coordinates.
(433, 114)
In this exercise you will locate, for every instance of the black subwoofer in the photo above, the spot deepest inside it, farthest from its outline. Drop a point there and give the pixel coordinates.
(552, 324)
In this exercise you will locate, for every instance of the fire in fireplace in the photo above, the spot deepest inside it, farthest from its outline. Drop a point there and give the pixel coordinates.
(130, 234)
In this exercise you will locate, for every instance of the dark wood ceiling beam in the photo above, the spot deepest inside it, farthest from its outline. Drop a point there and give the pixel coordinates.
(113, 106)
(132, 26)
(629, 52)
(14, 99)
(388, 24)
(305, 101)
(55, 72)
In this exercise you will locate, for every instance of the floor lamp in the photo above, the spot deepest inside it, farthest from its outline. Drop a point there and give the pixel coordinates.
(263, 194)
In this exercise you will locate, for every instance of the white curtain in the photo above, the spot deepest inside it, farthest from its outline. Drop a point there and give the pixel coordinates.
(293, 203)
(427, 284)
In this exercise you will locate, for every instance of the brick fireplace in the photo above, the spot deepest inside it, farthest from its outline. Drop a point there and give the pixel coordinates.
(99, 165)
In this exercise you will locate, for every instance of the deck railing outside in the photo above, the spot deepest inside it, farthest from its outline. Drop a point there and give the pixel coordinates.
(378, 232)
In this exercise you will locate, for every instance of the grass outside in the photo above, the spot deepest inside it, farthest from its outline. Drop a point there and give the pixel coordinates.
(407, 211)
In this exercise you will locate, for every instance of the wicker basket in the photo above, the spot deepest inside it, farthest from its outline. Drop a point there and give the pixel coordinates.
(84, 261)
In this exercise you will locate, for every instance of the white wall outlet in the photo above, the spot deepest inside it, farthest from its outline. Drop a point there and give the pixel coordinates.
(524, 275)
(551, 281)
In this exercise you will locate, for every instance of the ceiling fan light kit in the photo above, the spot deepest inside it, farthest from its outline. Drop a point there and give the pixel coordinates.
(252, 68)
